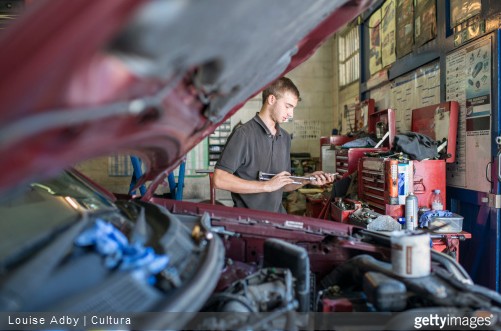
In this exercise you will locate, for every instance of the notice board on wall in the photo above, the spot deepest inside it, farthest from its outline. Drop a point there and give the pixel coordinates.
(382, 96)
(417, 89)
(469, 82)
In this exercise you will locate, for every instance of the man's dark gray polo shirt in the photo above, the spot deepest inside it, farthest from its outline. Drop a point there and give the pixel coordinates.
(250, 149)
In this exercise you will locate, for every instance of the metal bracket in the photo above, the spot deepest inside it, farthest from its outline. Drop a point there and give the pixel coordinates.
(494, 201)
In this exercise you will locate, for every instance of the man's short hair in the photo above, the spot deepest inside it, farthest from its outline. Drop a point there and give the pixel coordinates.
(280, 86)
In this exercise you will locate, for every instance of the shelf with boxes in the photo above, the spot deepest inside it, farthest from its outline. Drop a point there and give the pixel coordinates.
(217, 140)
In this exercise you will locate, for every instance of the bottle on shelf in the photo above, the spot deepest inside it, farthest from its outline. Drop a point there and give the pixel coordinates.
(436, 200)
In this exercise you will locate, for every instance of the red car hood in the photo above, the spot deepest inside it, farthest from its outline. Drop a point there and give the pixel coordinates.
(83, 78)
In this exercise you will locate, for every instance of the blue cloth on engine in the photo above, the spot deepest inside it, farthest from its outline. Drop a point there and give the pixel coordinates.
(360, 142)
(118, 252)
(428, 216)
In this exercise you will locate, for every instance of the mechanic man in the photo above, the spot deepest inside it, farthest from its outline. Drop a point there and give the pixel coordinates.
(262, 145)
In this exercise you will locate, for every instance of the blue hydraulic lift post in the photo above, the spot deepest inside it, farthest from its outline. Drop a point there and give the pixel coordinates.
(176, 189)
(136, 165)
(180, 181)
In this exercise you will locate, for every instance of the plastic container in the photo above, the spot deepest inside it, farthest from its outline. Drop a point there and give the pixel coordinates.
(454, 224)
(343, 215)
(411, 211)
(436, 200)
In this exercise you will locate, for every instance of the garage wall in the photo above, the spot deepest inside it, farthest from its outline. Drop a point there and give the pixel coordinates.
(347, 97)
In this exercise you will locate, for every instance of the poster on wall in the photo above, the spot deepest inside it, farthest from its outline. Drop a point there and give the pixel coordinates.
(461, 10)
(375, 61)
(469, 82)
(388, 25)
(417, 89)
(405, 27)
(307, 129)
(425, 21)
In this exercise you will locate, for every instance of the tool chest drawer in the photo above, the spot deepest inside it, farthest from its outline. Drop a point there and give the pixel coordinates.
(347, 159)
(371, 183)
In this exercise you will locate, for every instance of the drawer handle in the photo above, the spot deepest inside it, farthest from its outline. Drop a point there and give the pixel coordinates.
(374, 196)
(374, 188)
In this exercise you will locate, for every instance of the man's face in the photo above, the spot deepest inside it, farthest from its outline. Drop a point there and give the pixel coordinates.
(283, 107)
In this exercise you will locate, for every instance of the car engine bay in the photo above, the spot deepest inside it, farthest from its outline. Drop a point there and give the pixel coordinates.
(174, 256)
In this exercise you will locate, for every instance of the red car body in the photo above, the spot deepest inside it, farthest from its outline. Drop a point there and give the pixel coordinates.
(70, 89)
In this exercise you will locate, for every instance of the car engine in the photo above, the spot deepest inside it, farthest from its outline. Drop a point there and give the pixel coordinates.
(344, 274)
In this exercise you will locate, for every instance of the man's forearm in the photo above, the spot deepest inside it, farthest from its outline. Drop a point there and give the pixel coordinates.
(225, 181)
(292, 187)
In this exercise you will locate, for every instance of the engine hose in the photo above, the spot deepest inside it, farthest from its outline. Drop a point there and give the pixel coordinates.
(452, 266)
(494, 296)
(473, 288)
(353, 270)
(351, 273)
(341, 275)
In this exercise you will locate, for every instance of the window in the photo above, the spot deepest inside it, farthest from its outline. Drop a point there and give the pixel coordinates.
(349, 55)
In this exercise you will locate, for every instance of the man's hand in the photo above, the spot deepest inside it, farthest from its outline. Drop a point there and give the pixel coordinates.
(323, 178)
(278, 181)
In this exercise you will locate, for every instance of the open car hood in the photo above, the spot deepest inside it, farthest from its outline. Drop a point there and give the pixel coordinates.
(82, 79)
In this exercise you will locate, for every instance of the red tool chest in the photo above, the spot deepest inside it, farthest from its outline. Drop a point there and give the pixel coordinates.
(327, 153)
(373, 184)
(375, 174)
(378, 123)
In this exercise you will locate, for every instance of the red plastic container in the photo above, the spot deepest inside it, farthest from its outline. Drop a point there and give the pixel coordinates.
(342, 215)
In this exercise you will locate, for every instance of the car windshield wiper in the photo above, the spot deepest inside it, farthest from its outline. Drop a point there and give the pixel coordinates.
(44, 187)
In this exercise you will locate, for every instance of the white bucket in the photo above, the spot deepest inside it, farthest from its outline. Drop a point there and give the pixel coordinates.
(410, 254)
